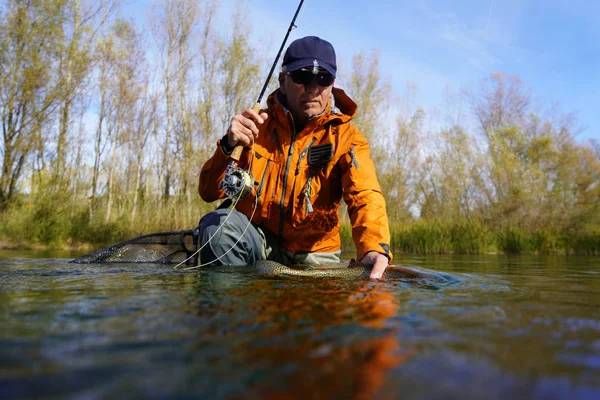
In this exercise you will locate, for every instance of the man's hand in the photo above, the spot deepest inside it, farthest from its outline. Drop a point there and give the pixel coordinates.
(244, 127)
(379, 262)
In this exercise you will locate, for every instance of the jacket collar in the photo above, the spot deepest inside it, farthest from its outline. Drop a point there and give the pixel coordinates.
(340, 107)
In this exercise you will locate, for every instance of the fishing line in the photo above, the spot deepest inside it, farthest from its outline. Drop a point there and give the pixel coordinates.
(232, 246)
(235, 155)
(223, 224)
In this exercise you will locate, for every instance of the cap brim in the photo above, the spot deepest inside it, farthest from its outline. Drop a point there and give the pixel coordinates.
(295, 65)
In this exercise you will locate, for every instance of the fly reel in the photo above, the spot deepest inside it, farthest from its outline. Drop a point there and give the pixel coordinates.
(237, 183)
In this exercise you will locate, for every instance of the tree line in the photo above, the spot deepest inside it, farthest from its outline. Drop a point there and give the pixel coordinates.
(105, 125)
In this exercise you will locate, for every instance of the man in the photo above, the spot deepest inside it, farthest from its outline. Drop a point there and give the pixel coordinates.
(304, 156)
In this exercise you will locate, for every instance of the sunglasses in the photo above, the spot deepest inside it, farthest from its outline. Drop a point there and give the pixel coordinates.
(306, 76)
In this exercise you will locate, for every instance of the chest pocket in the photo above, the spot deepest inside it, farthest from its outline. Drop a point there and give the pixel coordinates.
(315, 190)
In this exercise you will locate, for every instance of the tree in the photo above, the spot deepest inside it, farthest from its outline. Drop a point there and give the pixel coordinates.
(28, 87)
(207, 90)
(241, 83)
(74, 65)
(401, 172)
(371, 92)
(174, 26)
(500, 100)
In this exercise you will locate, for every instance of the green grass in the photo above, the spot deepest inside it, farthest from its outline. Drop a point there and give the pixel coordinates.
(53, 224)
(427, 237)
(440, 237)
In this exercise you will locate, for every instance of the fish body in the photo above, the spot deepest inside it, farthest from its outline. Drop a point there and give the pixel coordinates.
(355, 270)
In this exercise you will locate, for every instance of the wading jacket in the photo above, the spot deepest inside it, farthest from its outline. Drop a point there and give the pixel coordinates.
(299, 202)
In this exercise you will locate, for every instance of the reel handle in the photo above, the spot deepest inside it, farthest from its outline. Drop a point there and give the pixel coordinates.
(237, 151)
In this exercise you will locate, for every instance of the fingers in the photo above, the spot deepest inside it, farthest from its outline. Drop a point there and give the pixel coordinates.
(379, 267)
(244, 127)
(379, 262)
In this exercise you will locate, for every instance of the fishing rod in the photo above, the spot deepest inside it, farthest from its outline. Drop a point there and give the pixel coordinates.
(237, 183)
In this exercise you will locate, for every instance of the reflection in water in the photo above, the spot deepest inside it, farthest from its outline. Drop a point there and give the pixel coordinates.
(512, 328)
(318, 339)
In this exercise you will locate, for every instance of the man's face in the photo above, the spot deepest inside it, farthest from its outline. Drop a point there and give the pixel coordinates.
(306, 101)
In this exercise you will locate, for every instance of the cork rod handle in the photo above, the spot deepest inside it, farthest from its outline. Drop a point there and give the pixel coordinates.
(237, 151)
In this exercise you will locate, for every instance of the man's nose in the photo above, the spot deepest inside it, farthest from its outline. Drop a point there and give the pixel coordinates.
(312, 87)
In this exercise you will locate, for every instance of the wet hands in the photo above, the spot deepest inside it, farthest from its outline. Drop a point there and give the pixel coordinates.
(244, 127)
(379, 262)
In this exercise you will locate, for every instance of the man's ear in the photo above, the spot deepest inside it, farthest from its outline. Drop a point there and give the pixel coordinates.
(281, 82)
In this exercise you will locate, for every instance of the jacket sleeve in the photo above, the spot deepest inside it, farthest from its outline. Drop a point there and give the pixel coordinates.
(212, 174)
(365, 201)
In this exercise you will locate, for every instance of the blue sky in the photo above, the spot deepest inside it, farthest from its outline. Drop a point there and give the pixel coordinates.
(553, 45)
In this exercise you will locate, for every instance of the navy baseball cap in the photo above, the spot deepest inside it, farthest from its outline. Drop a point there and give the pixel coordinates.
(310, 51)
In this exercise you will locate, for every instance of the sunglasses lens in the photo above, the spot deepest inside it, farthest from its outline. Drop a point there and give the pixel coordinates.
(301, 77)
(325, 79)
(305, 77)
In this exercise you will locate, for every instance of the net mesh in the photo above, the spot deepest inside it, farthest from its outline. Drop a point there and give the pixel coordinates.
(156, 248)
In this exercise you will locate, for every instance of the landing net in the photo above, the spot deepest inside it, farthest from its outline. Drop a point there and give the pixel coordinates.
(156, 248)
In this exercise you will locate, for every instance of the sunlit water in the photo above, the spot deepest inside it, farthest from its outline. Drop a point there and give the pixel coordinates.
(510, 327)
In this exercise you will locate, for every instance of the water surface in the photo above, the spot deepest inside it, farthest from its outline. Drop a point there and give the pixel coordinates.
(512, 327)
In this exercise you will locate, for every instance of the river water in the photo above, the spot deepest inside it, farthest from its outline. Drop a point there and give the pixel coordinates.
(509, 327)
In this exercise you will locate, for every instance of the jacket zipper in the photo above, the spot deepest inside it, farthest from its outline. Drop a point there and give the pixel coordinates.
(285, 178)
(275, 138)
(262, 181)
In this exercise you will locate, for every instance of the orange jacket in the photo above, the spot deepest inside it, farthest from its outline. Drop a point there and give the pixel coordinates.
(299, 203)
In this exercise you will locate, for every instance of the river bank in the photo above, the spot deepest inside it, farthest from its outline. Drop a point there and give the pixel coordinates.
(419, 237)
